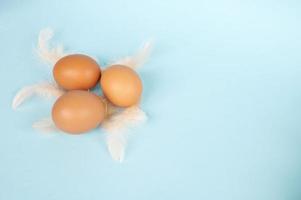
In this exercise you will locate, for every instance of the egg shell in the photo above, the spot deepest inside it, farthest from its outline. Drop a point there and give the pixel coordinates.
(78, 111)
(121, 85)
(76, 71)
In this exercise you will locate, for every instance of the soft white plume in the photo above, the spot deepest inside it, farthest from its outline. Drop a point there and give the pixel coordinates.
(44, 50)
(116, 125)
(138, 59)
(44, 89)
(45, 125)
(116, 143)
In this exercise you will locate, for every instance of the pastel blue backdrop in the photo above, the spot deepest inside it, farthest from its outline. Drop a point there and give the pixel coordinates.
(222, 91)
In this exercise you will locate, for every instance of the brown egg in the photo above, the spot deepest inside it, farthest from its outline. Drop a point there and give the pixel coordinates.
(121, 85)
(78, 111)
(76, 72)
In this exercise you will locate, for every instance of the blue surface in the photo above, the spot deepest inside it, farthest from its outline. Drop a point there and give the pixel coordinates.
(222, 90)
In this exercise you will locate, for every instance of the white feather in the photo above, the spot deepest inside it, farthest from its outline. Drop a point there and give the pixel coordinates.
(116, 143)
(44, 89)
(45, 125)
(44, 51)
(116, 125)
(138, 59)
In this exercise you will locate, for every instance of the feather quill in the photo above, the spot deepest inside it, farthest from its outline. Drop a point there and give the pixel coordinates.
(44, 89)
(44, 51)
(138, 59)
(45, 125)
(116, 125)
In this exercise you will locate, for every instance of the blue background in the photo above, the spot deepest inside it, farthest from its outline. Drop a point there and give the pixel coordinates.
(222, 90)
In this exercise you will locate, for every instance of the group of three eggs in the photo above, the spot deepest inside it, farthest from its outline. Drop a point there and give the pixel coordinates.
(79, 110)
